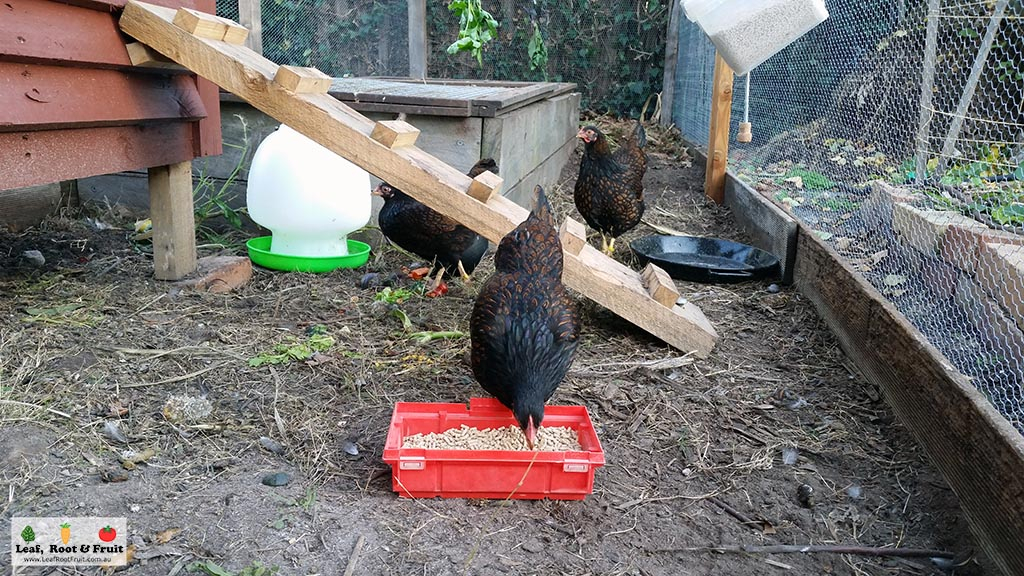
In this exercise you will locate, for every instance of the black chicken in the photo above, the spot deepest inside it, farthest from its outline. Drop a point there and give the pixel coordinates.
(524, 326)
(609, 190)
(429, 234)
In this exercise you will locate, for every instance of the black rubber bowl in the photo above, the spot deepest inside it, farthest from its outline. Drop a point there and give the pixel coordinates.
(709, 260)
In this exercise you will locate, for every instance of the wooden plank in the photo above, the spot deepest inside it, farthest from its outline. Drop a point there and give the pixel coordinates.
(206, 134)
(410, 109)
(418, 38)
(250, 15)
(41, 97)
(31, 158)
(50, 32)
(142, 57)
(115, 6)
(484, 186)
(718, 138)
(573, 235)
(660, 285)
(26, 207)
(395, 133)
(980, 454)
(209, 26)
(174, 227)
(340, 129)
(668, 85)
(304, 80)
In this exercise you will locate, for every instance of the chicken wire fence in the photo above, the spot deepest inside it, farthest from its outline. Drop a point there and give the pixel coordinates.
(614, 50)
(894, 130)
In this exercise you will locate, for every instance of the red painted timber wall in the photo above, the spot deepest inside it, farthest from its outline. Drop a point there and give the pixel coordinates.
(72, 105)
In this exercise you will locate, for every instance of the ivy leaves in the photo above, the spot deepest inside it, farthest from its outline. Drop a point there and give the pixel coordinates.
(476, 28)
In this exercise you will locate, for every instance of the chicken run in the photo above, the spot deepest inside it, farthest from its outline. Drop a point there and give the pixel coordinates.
(241, 433)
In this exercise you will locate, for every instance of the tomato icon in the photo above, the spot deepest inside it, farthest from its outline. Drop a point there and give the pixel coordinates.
(107, 534)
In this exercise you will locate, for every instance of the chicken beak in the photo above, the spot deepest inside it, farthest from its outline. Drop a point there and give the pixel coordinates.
(531, 433)
(582, 135)
(378, 191)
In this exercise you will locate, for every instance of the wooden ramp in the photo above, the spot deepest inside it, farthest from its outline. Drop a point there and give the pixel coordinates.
(210, 47)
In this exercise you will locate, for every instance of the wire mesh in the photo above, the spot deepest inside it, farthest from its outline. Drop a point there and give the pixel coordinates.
(894, 130)
(613, 50)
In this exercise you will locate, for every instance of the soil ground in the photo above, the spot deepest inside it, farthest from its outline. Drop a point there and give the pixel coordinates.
(89, 340)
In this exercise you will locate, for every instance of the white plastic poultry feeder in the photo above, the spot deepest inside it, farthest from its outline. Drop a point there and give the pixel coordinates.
(748, 32)
(307, 196)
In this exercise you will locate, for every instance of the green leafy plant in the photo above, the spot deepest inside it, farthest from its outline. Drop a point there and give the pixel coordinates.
(538, 51)
(476, 28)
(811, 180)
(295, 349)
(213, 569)
(28, 534)
(212, 198)
(395, 295)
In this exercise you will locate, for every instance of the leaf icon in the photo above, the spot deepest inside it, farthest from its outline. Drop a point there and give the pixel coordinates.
(28, 534)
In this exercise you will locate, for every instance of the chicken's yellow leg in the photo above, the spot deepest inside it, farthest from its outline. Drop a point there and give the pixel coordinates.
(463, 273)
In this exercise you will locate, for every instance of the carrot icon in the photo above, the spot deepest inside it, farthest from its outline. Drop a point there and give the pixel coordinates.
(65, 532)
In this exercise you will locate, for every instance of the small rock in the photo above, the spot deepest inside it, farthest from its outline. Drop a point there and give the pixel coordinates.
(533, 545)
(113, 431)
(186, 409)
(370, 280)
(113, 475)
(277, 479)
(271, 445)
(854, 491)
(35, 257)
(350, 448)
(789, 455)
(773, 289)
(804, 495)
(135, 508)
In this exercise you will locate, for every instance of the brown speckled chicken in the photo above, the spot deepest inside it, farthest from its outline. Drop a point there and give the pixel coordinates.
(524, 326)
(609, 190)
(429, 234)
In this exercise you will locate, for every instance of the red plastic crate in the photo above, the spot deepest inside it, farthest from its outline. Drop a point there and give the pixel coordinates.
(422, 473)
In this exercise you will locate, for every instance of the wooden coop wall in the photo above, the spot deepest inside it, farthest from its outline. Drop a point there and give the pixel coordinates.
(74, 106)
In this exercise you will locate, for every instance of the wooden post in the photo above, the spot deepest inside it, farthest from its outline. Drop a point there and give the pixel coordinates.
(925, 114)
(668, 86)
(972, 84)
(174, 227)
(250, 15)
(718, 137)
(417, 38)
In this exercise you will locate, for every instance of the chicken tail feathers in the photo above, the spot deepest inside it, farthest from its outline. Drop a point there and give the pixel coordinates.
(640, 135)
(483, 165)
(541, 207)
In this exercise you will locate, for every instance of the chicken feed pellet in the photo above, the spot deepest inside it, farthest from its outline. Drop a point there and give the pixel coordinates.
(553, 439)
(751, 37)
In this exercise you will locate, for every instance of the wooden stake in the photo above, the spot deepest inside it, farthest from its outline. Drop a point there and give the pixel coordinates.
(573, 235)
(174, 230)
(250, 15)
(395, 133)
(484, 186)
(718, 137)
(303, 80)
